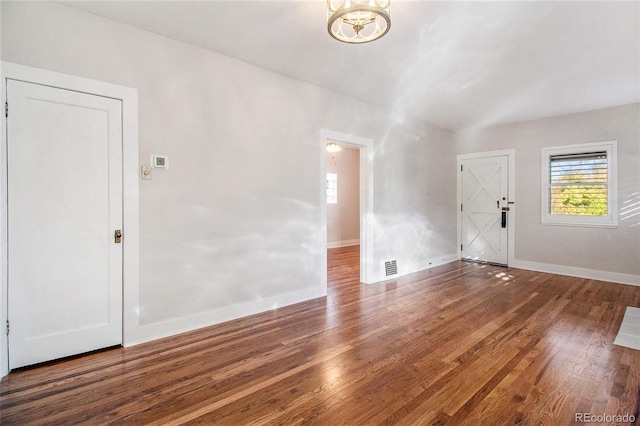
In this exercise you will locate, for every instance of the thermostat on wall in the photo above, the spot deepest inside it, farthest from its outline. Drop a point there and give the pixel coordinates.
(159, 161)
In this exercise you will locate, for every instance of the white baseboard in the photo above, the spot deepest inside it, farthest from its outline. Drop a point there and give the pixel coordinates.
(149, 332)
(345, 243)
(440, 260)
(592, 274)
(159, 330)
(403, 269)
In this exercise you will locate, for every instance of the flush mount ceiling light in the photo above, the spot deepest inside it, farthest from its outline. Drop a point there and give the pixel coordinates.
(333, 147)
(358, 21)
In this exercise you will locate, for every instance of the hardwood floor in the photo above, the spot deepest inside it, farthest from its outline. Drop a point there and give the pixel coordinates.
(463, 343)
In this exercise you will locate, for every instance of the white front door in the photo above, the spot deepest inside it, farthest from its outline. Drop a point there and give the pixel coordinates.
(64, 151)
(484, 223)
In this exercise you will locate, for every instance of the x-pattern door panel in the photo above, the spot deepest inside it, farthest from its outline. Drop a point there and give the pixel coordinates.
(484, 194)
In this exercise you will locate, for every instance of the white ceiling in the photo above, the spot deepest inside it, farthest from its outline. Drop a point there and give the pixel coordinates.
(453, 64)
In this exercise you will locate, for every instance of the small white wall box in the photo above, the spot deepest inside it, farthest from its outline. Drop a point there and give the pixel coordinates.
(159, 161)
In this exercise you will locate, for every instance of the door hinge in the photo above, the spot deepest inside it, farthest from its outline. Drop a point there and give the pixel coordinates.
(461, 168)
(7, 327)
(460, 207)
(460, 247)
(6, 109)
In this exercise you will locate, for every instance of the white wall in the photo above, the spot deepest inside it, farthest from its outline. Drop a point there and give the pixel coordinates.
(578, 250)
(343, 218)
(415, 198)
(233, 226)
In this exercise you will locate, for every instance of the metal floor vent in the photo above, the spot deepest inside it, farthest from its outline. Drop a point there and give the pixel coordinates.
(390, 267)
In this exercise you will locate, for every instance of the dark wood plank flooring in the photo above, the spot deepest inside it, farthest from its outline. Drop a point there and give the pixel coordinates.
(462, 343)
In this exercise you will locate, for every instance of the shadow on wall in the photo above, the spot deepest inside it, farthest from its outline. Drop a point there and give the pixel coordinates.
(629, 217)
(411, 239)
(630, 210)
(224, 261)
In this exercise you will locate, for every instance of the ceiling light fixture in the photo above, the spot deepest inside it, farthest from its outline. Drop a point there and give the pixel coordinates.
(358, 21)
(333, 147)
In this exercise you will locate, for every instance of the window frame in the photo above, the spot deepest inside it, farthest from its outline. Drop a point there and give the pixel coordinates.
(608, 221)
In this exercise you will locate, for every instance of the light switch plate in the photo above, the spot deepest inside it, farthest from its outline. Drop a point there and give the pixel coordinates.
(145, 172)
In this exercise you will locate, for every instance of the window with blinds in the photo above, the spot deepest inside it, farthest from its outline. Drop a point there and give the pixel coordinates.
(579, 184)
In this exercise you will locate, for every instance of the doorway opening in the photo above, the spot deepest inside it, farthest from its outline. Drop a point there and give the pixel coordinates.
(343, 197)
(343, 214)
(358, 230)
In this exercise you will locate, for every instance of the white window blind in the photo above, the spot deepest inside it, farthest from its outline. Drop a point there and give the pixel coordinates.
(578, 184)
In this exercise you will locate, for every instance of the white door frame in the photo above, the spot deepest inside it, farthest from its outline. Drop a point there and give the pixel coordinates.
(366, 201)
(129, 98)
(511, 155)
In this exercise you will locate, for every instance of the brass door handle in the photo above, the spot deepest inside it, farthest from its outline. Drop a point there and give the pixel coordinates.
(118, 236)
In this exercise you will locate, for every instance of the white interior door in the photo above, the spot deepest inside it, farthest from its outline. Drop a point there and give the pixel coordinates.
(64, 151)
(484, 223)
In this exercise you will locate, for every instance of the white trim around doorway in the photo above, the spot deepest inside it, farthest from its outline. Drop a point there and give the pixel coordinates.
(367, 273)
